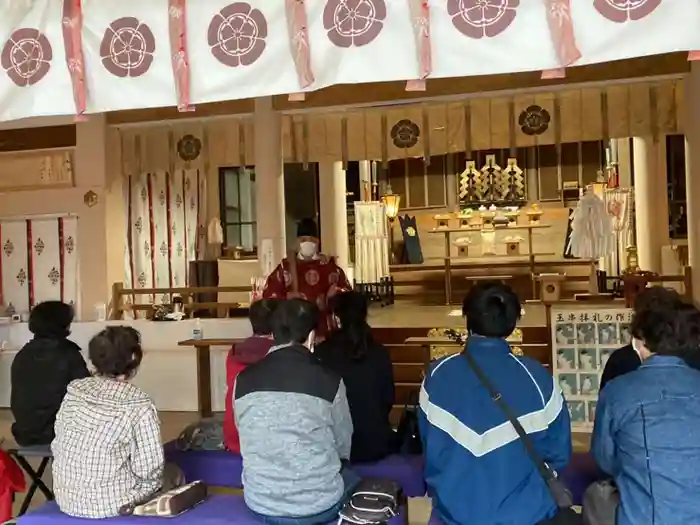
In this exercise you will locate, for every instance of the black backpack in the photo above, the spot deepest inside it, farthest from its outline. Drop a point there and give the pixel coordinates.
(408, 432)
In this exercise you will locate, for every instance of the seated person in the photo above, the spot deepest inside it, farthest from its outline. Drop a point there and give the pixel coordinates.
(108, 453)
(625, 360)
(366, 369)
(476, 468)
(644, 430)
(295, 426)
(41, 372)
(250, 351)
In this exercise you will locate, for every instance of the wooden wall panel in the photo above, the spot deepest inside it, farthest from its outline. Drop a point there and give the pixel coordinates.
(500, 123)
(373, 132)
(27, 139)
(287, 142)
(456, 137)
(334, 147)
(591, 115)
(666, 108)
(317, 137)
(640, 114)
(357, 138)
(618, 111)
(247, 130)
(480, 124)
(437, 116)
(570, 125)
(680, 106)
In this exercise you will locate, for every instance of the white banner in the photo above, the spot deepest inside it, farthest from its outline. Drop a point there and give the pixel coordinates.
(128, 54)
(34, 80)
(239, 47)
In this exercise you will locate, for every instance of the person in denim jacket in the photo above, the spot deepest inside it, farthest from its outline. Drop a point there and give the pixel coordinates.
(647, 428)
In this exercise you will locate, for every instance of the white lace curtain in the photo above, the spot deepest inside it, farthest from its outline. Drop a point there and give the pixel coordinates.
(164, 230)
(371, 242)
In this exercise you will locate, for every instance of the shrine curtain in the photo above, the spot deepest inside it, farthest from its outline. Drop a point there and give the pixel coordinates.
(371, 242)
(165, 229)
(39, 262)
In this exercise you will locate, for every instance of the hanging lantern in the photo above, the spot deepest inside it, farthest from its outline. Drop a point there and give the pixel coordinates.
(391, 203)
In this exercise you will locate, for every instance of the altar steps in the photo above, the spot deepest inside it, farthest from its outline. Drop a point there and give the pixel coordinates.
(410, 360)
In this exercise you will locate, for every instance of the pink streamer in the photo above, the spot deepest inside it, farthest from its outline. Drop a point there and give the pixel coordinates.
(420, 16)
(177, 27)
(693, 56)
(561, 28)
(299, 41)
(72, 23)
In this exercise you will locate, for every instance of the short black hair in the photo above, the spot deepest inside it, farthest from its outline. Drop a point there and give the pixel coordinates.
(51, 319)
(666, 323)
(260, 315)
(116, 351)
(293, 320)
(492, 309)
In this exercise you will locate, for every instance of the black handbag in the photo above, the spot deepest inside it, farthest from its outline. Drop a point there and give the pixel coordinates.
(373, 501)
(561, 495)
(408, 432)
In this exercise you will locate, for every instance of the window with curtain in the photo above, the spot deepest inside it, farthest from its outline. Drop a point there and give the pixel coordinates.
(237, 201)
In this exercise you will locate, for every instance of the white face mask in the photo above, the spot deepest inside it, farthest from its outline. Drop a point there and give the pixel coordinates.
(307, 249)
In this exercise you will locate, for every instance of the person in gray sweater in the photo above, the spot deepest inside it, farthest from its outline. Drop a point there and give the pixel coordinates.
(295, 427)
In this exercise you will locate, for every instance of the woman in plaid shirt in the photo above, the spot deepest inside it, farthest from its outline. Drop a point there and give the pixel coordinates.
(108, 453)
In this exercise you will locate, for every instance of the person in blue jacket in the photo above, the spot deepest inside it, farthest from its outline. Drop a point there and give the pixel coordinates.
(477, 470)
(647, 426)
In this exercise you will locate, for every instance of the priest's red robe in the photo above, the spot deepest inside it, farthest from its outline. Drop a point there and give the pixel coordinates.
(317, 280)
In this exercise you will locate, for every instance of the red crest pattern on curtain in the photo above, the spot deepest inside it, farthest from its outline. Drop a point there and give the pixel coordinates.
(163, 229)
(38, 261)
(420, 15)
(177, 27)
(73, 42)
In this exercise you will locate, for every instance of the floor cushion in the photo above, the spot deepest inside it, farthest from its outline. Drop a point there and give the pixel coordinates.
(216, 509)
(222, 468)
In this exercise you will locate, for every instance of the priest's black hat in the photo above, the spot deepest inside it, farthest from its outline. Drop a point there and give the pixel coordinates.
(307, 228)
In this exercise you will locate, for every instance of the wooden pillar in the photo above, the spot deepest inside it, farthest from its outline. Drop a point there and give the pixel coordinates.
(269, 184)
(334, 216)
(692, 171)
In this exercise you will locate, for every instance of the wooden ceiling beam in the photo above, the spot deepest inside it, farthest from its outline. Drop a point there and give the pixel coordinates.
(386, 92)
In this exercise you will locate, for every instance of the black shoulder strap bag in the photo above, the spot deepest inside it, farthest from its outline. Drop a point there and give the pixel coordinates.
(560, 494)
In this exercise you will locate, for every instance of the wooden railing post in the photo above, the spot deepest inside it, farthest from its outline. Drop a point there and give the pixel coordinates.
(117, 310)
(688, 278)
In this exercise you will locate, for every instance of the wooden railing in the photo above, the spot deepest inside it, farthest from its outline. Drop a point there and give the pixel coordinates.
(633, 284)
(190, 294)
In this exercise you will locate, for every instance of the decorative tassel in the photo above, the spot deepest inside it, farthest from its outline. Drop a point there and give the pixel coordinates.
(561, 29)
(420, 16)
(177, 27)
(73, 43)
(298, 28)
(551, 74)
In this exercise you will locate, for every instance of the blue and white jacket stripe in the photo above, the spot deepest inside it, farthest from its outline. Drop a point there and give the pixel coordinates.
(477, 470)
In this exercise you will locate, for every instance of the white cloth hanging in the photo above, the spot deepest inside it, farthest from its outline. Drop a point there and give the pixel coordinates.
(591, 229)
(215, 233)
(371, 242)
